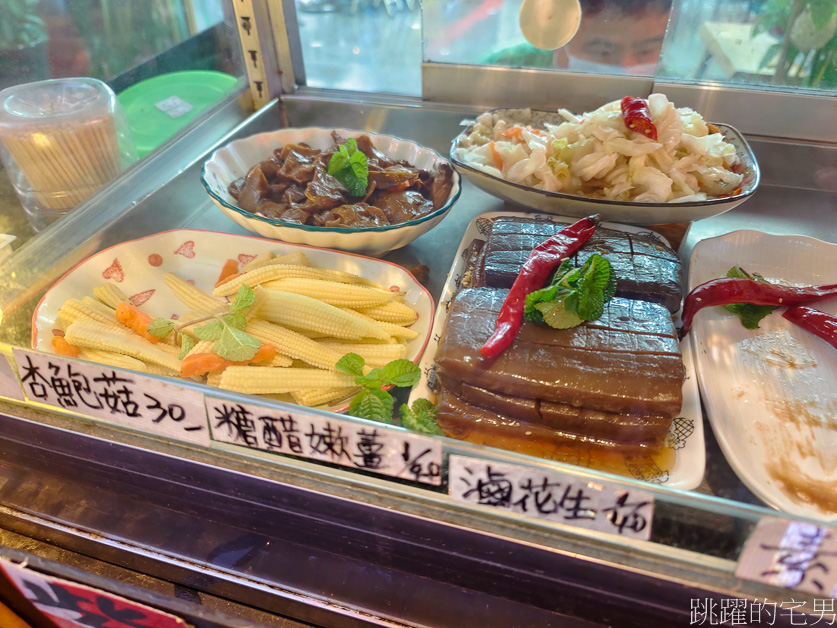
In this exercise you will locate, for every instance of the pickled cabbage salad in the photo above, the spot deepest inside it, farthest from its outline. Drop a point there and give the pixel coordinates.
(596, 155)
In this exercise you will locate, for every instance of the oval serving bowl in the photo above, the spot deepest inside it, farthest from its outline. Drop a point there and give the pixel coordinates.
(236, 158)
(626, 212)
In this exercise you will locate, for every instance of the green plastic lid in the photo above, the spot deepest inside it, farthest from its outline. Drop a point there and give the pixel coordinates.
(159, 107)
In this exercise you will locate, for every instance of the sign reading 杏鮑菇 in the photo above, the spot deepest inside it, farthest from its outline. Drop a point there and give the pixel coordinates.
(122, 397)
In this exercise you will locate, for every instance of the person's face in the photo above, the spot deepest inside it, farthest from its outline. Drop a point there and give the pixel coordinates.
(615, 39)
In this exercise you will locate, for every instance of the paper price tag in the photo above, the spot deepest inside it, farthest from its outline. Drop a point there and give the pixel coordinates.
(551, 495)
(330, 439)
(791, 554)
(9, 384)
(174, 106)
(113, 395)
(73, 605)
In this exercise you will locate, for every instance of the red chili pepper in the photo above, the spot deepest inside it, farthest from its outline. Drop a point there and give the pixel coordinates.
(543, 259)
(638, 117)
(816, 321)
(729, 290)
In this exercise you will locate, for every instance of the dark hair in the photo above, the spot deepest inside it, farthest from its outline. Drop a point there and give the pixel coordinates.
(628, 7)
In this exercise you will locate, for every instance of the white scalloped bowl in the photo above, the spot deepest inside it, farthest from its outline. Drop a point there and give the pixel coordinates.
(235, 159)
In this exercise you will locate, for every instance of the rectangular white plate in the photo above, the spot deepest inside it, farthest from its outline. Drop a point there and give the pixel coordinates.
(771, 393)
(686, 435)
(137, 268)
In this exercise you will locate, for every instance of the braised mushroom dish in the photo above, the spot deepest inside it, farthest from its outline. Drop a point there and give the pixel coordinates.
(350, 185)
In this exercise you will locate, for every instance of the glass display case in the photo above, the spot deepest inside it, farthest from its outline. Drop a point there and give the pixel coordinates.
(331, 519)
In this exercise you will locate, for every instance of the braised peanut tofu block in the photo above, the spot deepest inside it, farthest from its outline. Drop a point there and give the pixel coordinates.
(645, 268)
(627, 363)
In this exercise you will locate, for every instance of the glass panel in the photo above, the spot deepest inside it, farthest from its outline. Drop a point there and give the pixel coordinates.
(780, 43)
(166, 61)
(614, 37)
(362, 45)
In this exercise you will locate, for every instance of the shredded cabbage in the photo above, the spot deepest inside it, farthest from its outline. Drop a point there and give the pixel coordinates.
(596, 155)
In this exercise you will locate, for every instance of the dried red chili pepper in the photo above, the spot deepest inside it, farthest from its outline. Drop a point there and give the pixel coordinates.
(729, 290)
(816, 321)
(638, 117)
(543, 259)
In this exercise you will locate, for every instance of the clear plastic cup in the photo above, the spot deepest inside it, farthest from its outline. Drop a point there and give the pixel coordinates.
(61, 141)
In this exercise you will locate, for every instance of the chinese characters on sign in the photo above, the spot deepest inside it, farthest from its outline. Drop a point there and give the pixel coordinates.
(121, 397)
(9, 386)
(740, 612)
(72, 605)
(365, 447)
(791, 554)
(551, 495)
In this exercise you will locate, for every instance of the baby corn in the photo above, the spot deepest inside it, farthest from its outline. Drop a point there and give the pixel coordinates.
(193, 297)
(110, 295)
(392, 312)
(335, 293)
(91, 335)
(373, 355)
(304, 313)
(274, 272)
(294, 345)
(256, 380)
(313, 398)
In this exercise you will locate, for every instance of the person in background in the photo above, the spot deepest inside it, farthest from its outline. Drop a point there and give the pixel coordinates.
(614, 37)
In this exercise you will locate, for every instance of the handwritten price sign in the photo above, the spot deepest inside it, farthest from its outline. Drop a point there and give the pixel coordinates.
(551, 495)
(365, 447)
(113, 395)
(791, 554)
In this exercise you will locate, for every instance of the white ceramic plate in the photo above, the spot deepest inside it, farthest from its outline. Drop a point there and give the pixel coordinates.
(618, 211)
(771, 393)
(236, 158)
(686, 436)
(137, 268)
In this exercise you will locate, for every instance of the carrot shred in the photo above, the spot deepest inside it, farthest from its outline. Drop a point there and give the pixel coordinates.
(136, 320)
(62, 347)
(498, 159)
(230, 268)
(202, 363)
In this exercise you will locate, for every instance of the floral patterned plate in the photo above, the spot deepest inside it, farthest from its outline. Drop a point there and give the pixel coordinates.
(137, 268)
(686, 435)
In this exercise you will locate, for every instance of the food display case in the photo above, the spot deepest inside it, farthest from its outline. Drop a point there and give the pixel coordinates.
(312, 514)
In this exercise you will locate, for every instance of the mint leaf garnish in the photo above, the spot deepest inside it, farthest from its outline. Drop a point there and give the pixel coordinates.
(244, 298)
(372, 404)
(351, 364)
(236, 345)
(373, 379)
(160, 327)
(210, 331)
(575, 295)
(421, 417)
(403, 373)
(749, 314)
(186, 345)
(236, 321)
(350, 166)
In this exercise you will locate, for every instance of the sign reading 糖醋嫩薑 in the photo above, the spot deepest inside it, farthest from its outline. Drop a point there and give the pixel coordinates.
(122, 397)
(551, 495)
(375, 448)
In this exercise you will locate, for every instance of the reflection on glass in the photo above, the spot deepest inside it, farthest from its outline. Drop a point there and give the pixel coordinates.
(614, 37)
(791, 43)
(166, 60)
(361, 45)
